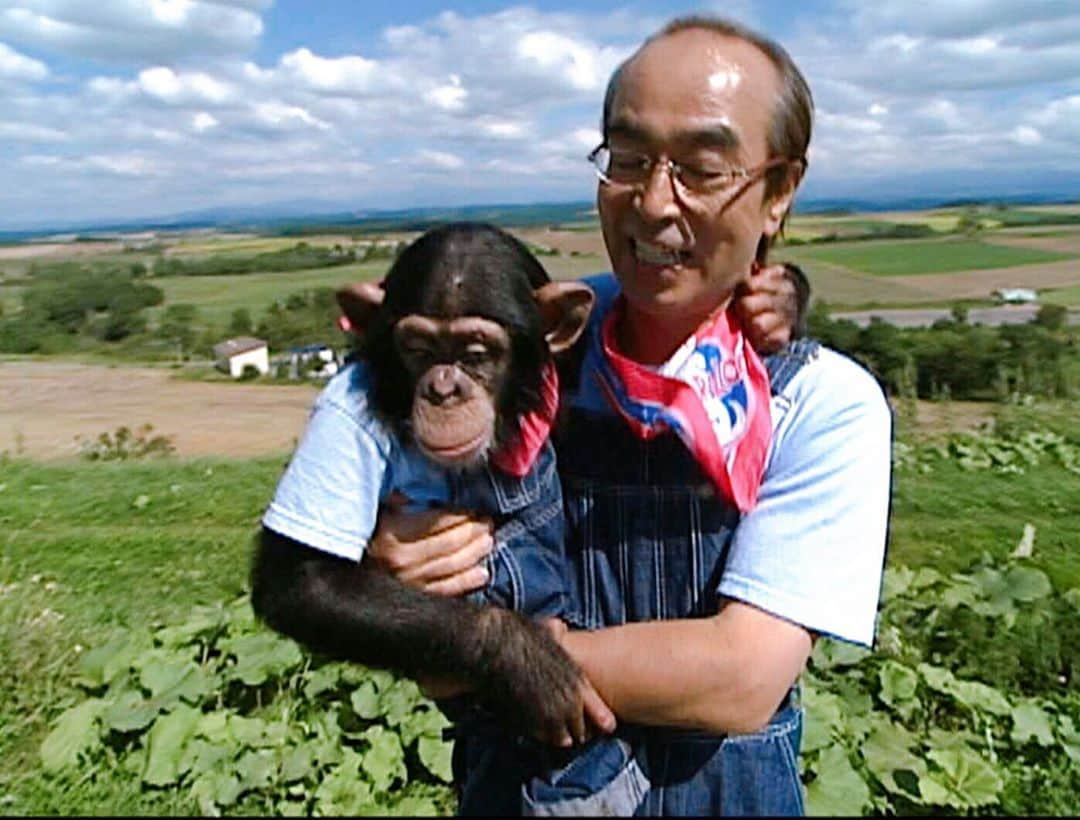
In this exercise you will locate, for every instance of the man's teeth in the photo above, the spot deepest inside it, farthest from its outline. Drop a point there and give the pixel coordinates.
(656, 255)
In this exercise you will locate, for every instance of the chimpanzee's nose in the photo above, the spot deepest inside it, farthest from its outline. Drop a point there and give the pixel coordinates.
(443, 383)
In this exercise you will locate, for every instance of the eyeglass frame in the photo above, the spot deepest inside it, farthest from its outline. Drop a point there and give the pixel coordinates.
(677, 182)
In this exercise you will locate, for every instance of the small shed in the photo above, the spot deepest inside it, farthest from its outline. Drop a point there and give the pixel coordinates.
(233, 355)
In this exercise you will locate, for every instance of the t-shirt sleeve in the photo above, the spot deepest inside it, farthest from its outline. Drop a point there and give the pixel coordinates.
(328, 497)
(812, 551)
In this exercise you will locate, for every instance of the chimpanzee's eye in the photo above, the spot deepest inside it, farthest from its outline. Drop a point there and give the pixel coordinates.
(416, 353)
(475, 354)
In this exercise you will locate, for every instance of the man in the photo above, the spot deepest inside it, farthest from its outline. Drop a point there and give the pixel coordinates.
(699, 614)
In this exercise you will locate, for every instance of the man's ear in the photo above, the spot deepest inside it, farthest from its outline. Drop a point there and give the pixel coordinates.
(776, 209)
(564, 312)
(360, 302)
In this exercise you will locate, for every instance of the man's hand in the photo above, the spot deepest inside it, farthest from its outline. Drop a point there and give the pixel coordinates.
(771, 306)
(439, 552)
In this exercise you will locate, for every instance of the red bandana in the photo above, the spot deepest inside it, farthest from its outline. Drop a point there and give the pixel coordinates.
(516, 457)
(716, 401)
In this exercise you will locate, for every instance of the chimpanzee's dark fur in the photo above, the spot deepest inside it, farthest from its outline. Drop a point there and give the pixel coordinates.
(359, 612)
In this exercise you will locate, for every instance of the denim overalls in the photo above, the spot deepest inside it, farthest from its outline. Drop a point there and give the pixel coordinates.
(647, 539)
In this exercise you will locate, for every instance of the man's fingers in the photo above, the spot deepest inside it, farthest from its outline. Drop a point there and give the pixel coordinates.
(415, 526)
(460, 584)
(439, 568)
(401, 544)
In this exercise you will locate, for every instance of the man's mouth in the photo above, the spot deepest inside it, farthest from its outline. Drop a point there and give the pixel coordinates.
(647, 253)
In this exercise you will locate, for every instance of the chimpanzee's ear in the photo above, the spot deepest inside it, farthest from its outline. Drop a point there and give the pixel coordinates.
(360, 302)
(564, 311)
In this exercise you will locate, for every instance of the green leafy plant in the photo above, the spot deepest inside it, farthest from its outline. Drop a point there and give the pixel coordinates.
(239, 718)
(936, 721)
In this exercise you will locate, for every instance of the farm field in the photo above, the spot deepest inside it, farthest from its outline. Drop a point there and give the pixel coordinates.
(912, 257)
(869, 272)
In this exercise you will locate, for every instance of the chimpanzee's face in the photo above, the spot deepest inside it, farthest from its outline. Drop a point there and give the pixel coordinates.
(457, 367)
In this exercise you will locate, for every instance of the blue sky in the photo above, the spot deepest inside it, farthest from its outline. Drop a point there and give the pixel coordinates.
(118, 109)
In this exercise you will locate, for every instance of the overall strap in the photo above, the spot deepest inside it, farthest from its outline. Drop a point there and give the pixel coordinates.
(783, 365)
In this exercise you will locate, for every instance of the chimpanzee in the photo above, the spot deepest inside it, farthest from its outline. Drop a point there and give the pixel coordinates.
(448, 404)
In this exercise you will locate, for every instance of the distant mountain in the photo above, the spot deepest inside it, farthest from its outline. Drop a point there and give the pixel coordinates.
(306, 216)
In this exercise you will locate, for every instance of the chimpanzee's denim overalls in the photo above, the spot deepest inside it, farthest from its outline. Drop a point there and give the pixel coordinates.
(646, 539)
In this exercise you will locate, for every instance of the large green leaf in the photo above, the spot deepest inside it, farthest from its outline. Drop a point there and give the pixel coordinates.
(384, 760)
(76, 731)
(203, 622)
(215, 790)
(342, 792)
(1027, 583)
(968, 780)
(1030, 722)
(397, 702)
(166, 742)
(838, 790)
(898, 682)
(103, 664)
(980, 696)
(201, 756)
(129, 711)
(365, 700)
(262, 656)
(298, 762)
(888, 750)
(1070, 738)
(426, 720)
(322, 679)
(823, 716)
(436, 754)
(256, 769)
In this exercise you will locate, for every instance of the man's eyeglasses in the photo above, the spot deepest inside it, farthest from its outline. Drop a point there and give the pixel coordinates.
(634, 170)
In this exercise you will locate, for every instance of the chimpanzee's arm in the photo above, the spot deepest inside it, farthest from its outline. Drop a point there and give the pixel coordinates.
(358, 612)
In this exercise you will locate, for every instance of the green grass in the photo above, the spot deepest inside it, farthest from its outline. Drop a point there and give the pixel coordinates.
(89, 548)
(1070, 296)
(902, 258)
(218, 296)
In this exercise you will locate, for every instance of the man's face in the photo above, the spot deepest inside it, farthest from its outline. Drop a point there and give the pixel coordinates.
(703, 100)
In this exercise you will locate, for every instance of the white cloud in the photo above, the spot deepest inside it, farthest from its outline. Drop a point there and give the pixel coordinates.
(440, 160)
(171, 87)
(16, 66)
(203, 121)
(341, 75)
(28, 132)
(279, 115)
(1025, 135)
(141, 30)
(449, 97)
(456, 105)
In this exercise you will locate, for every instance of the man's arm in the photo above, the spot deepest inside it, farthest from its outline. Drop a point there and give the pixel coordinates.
(725, 674)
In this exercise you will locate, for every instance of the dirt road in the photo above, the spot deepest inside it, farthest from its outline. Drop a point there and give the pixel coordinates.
(44, 405)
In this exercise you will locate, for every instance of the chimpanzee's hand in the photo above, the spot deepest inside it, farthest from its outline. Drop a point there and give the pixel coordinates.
(439, 552)
(770, 306)
(532, 685)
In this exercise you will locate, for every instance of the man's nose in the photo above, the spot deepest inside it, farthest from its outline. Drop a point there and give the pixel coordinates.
(658, 199)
